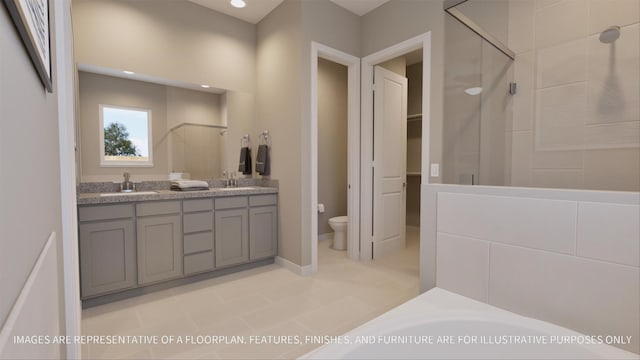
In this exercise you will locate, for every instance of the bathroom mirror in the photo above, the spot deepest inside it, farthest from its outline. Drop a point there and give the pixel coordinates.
(187, 128)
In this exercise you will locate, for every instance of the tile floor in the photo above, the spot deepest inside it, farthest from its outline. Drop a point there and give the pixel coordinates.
(267, 301)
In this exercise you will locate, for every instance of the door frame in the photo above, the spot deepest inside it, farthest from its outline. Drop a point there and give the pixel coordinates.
(352, 63)
(421, 41)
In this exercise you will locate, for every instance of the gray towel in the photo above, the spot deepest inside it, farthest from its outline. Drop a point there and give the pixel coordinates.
(262, 160)
(245, 161)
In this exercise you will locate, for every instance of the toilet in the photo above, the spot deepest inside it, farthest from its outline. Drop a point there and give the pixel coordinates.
(339, 225)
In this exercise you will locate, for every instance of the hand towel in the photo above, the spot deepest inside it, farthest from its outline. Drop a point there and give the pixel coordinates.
(245, 161)
(262, 160)
(189, 185)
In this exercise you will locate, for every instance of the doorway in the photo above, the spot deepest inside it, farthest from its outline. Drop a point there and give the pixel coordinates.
(376, 226)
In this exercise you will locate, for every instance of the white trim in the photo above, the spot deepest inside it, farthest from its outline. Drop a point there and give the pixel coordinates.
(65, 83)
(421, 41)
(118, 178)
(295, 268)
(353, 209)
(124, 163)
(38, 296)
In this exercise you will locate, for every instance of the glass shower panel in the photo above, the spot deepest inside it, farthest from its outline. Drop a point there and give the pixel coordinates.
(477, 109)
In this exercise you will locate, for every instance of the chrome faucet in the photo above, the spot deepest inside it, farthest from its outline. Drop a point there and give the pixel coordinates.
(230, 179)
(127, 185)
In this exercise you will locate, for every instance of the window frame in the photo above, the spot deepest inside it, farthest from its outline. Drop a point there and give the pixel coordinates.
(125, 163)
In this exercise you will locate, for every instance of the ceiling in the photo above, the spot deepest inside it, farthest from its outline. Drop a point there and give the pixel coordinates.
(258, 9)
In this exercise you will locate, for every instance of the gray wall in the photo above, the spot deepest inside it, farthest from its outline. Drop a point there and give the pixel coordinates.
(169, 107)
(29, 165)
(332, 142)
(399, 20)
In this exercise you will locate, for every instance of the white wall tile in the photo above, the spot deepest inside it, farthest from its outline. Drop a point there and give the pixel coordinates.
(536, 223)
(558, 178)
(522, 147)
(544, 3)
(523, 100)
(463, 266)
(558, 159)
(592, 297)
(603, 170)
(521, 25)
(609, 232)
(562, 64)
(617, 135)
(560, 23)
(605, 13)
(613, 76)
(560, 113)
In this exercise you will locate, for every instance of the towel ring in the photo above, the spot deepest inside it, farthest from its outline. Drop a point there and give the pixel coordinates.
(244, 141)
(264, 138)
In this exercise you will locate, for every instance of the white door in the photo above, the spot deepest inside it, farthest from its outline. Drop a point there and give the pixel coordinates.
(389, 161)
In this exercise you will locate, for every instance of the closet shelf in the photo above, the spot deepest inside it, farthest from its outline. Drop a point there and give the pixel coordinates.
(414, 117)
(413, 173)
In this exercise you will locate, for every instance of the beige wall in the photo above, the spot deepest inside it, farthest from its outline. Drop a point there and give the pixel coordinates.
(175, 40)
(29, 169)
(576, 117)
(332, 142)
(278, 105)
(399, 20)
(192, 149)
(283, 103)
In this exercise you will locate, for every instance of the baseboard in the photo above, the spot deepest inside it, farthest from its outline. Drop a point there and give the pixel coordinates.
(295, 268)
(326, 236)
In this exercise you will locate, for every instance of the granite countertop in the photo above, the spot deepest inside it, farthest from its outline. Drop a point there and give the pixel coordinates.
(95, 198)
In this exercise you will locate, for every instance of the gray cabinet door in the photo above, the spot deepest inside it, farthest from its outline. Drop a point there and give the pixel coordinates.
(231, 237)
(159, 248)
(263, 232)
(107, 256)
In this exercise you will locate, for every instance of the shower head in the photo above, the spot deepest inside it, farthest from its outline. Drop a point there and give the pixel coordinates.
(610, 35)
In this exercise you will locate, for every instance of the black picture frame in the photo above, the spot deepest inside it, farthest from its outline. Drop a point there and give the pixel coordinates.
(31, 18)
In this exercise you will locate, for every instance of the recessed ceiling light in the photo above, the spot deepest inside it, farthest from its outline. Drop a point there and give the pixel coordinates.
(473, 90)
(238, 3)
(205, 86)
(128, 72)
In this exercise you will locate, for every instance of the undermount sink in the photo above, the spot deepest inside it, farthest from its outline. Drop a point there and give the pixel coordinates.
(239, 188)
(130, 193)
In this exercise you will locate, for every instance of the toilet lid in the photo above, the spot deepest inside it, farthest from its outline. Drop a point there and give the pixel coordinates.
(339, 219)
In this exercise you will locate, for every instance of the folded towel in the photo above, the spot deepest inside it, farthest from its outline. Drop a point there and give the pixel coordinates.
(262, 160)
(189, 185)
(245, 161)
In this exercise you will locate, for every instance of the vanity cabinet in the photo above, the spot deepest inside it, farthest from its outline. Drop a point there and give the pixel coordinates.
(263, 226)
(107, 249)
(134, 244)
(159, 240)
(231, 231)
(197, 220)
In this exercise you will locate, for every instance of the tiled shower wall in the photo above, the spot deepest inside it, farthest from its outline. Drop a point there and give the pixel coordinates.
(576, 116)
(568, 257)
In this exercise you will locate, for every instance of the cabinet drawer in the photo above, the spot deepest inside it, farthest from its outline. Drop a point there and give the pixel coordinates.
(263, 200)
(198, 263)
(158, 208)
(197, 222)
(194, 243)
(105, 212)
(231, 202)
(197, 205)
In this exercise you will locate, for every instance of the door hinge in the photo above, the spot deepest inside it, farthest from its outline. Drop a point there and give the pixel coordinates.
(513, 88)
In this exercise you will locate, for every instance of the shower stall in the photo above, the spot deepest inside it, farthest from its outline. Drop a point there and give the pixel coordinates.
(532, 101)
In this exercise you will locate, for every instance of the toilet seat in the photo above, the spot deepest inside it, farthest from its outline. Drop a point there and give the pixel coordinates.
(339, 219)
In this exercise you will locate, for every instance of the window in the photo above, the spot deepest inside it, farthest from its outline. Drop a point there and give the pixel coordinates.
(125, 135)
